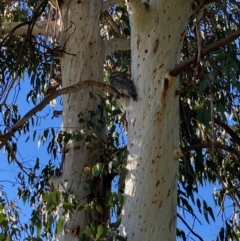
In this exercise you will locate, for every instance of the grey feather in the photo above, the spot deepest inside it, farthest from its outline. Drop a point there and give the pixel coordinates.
(122, 83)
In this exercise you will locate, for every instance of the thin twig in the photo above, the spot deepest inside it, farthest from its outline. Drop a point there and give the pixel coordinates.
(228, 129)
(182, 66)
(67, 90)
(190, 229)
(209, 145)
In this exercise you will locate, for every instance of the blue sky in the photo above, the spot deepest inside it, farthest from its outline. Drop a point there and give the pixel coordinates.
(31, 151)
(28, 152)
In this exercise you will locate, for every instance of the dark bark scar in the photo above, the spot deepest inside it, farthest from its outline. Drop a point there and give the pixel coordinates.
(165, 87)
(138, 42)
(168, 194)
(156, 44)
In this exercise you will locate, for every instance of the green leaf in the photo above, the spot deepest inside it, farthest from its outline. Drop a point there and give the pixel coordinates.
(116, 112)
(85, 237)
(32, 119)
(59, 225)
(204, 116)
(81, 120)
(67, 138)
(100, 230)
(211, 76)
(34, 135)
(221, 234)
(56, 197)
(205, 211)
(89, 230)
(211, 213)
(88, 139)
(199, 205)
(36, 166)
(237, 85)
(181, 234)
(39, 228)
(99, 209)
(186, 204)
(116, 224)
(92, 114)
(97, 169)
(3, 236)
(27, 139)
(203, 84)
(45, 133)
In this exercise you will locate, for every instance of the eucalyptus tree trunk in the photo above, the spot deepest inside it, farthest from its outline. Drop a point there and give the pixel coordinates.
(157, 32)
(82, 60)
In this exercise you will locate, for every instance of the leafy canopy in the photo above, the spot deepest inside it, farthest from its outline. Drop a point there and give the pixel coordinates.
(209, 105)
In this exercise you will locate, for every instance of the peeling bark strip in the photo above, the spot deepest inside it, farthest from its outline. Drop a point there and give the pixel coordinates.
(153, 121)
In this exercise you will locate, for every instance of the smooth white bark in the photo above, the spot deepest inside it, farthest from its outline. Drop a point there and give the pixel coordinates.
(158, 28)
(40, 27)
(50, 29)
(88, 47)
(116, 44)
(157, 32)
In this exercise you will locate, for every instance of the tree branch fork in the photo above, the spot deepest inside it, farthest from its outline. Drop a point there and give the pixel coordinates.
(17, 28)
(66, 90)
(106, 88)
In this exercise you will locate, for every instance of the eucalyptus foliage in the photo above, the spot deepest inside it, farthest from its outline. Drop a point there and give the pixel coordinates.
(210, 120)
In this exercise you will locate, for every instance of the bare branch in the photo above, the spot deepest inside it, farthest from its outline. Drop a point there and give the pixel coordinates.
(182, 66)
(116, 44)
(209, 145)
(109, 3)
(53, 3)
(67, 90)
(5, 1)
(39, 28)
(223, 125)
(189, 228)
(20, 165)
(229, 130)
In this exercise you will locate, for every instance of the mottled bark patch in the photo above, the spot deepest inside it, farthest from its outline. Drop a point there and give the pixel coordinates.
(76, 148)
(159, 115)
